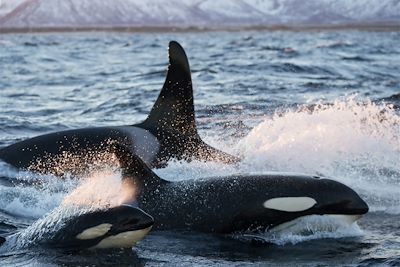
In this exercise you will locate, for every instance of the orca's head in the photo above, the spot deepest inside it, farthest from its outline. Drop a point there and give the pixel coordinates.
(118, 227)
(274, 201)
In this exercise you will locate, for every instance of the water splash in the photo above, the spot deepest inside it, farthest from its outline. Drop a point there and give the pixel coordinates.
(313, 139)
(101, 189)
(305, 229)
(33, 195)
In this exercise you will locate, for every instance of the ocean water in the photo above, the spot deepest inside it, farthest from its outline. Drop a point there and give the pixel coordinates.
(316, 102)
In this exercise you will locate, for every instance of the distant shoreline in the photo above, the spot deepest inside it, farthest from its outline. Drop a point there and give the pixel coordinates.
(160, 29)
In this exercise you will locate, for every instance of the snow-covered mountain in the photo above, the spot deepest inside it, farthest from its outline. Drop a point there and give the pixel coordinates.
(195, 13)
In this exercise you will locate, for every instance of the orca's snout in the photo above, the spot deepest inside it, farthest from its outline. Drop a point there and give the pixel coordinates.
(136, 219)
(145, 220)
(337, 198)
(357, 206)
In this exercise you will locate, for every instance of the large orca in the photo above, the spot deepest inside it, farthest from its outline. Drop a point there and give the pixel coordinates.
(237, 203)
(117, 227)
(169, 131)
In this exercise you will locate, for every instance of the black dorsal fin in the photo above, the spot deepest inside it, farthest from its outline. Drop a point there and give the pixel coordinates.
(133, 168)
(174, 107)
(173, 114)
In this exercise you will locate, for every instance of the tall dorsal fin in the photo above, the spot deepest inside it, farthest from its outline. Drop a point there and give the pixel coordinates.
(174, 107)
(133, 168)
(173, 113)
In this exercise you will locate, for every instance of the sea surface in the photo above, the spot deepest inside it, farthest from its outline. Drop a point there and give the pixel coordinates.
(316, 102)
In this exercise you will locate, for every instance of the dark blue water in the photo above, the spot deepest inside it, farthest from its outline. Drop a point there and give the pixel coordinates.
(312, 102)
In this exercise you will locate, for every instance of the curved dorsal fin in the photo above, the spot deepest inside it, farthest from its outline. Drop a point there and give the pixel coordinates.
(174, 108)
(173, 112)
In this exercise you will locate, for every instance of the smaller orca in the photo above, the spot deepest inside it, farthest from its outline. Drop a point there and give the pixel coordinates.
(117, 227)
(238, 202)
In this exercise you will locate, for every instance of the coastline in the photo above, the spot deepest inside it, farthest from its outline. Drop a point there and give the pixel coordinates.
(156, 29)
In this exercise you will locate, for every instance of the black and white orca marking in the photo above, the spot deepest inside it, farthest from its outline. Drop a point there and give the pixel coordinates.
(169, 131)
(119, 227)
(237, 203)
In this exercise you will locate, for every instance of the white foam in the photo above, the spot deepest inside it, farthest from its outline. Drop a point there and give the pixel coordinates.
(314, 227)
(307, 228)
(307, 141)
(33, 201)
(183, 170)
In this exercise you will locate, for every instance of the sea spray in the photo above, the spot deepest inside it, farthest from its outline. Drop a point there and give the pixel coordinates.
(33, 195)
(305, 229)
(101, 189)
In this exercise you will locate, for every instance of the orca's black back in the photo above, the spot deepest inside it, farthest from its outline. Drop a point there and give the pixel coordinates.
(45, 147)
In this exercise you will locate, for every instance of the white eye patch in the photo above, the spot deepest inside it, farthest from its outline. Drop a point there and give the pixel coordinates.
(290, 204)
(95, 231)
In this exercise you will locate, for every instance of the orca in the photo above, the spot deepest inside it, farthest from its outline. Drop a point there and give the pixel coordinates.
(238, 202)
(169, 131)
(117, 227)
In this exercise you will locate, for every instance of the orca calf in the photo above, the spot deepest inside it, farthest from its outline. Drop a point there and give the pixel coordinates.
(237, 203)
(118, 227)
(169, 131)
